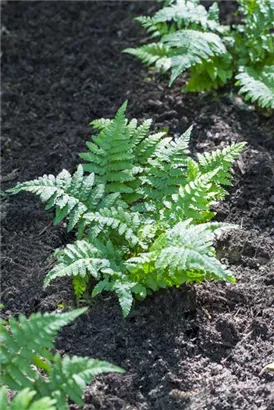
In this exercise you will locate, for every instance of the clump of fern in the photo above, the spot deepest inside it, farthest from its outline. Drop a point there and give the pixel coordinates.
(141, 208)
(186, 37)
(44, 380)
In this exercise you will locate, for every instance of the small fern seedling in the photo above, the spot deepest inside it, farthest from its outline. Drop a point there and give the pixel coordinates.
(128, 202)
(185, 37)
(25, 353)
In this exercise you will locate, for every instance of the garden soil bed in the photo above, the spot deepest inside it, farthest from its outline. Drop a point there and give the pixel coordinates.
(198, 347)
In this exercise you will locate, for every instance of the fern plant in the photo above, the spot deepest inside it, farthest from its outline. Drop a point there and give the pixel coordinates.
(139, 192)
(44, 380)
(186, 37)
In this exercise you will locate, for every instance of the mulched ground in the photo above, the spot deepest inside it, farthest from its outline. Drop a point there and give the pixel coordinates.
(200, 347)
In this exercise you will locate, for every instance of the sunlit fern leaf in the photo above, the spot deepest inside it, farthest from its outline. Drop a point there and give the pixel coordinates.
(191, 201)
(269, 366)
(188, 14)
(140, 187)
(167, 168)
(79, 259)
(153, 53)
(147, 233)
(250, 7)
(257, 86)
(123, 222)
(145, 149)
(149, 25)
(222, 161)
(100, 124)
(124, 294)
(69, 194)
(110, 155)
(184, 253)
(191, 47)
(123, 289)
(140, 133)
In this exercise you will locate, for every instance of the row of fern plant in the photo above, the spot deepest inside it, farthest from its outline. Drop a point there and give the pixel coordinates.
(184, 36)
(141, 208)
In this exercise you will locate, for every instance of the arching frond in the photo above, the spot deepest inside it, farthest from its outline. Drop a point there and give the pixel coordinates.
(79, 259)
(191, 47)
(153, 53)
(192, 201)
(257, 86)
(183, 254)
(25, 353)
(70, 195)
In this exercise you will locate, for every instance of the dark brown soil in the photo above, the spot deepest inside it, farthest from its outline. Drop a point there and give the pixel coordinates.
(200, 347)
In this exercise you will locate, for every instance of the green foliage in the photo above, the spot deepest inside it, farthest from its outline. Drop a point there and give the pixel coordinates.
(181, 254)
(190, 38)
(143, 189)
(257, 86)
(25, 353)
(25, 401)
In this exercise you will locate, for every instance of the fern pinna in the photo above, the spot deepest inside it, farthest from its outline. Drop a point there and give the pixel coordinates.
(141, 211)
(25, 353)
(187, 37)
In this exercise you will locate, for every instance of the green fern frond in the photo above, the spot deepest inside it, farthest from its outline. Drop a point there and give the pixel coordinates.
(79, 259)
(100, 124)
(222, 161)
(110, 155)
(192, 201)
(153, 53)
(190, 38)
(140, 133)
(25, 401)
(24, 349)
(69, 375)
(191, 47)
(146, 148)
(26, 339)
(69, 194)
(166, 171)
(257, 86)
(123, 222)
(183, 254)
(149, 25)
(210, 74)
(265, 7)
(189, 14)
(80, 284)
